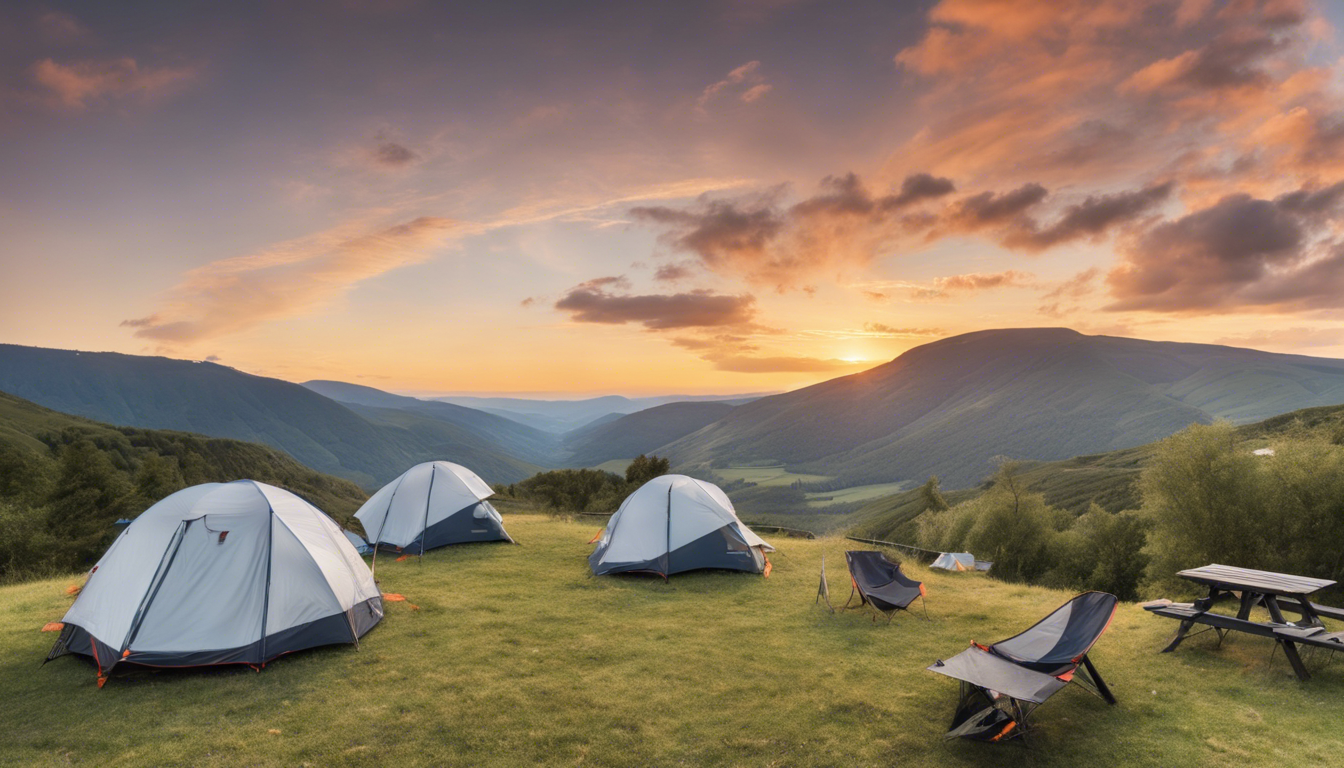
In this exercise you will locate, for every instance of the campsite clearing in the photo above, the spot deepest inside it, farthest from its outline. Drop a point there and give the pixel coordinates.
(516, 655)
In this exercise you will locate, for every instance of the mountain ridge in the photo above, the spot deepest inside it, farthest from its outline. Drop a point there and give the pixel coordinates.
(950, 406)
(218, 401)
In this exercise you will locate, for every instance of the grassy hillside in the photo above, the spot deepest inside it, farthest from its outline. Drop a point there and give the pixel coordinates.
(1107, 479)
(639, 432)
(949, 407)
(210, 399)
(518, 656)
(122, 470)
(29, 427)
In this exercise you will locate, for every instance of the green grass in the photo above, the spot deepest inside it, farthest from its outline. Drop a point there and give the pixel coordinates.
(518, 656)
(854, 493)
(614, 465)
(767, 476)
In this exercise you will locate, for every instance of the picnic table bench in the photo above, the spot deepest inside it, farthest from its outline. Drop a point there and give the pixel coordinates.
(1277, 592)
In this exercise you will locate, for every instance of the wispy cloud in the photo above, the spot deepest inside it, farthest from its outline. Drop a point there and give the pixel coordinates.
(393, 155)
(81, 84)
(61, 28)
(745, 83)
(293, 278)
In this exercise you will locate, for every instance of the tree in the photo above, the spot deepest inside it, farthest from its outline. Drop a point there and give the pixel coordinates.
(90, 496)
(157, 477)
(571, 490)
(645, 468)
(1103, 551)
(1201, 494)
(931, 493)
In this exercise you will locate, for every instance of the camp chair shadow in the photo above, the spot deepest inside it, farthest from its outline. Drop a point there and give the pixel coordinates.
(1003, 684)
(880, 585)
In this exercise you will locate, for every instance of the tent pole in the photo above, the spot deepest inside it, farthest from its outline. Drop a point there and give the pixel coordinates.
(424, 529)
(667, 562)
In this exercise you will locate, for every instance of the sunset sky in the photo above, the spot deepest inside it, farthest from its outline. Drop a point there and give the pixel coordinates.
(641, 198)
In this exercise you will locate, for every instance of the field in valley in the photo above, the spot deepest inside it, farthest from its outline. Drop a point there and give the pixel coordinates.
(516, 655)
(767, 476)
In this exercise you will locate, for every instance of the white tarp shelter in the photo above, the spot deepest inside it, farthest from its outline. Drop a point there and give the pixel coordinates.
(431, 505)
(955, 561)
(221, 573)
(675, 523)
(960, 561)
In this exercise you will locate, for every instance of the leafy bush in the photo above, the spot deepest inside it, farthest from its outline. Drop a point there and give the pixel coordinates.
(1210, 500)
(588, 490)
(645, 468)
(1102, 550)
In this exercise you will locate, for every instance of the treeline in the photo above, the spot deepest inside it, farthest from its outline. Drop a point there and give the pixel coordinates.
(585, 490)
(1205, 498)
(59, 505)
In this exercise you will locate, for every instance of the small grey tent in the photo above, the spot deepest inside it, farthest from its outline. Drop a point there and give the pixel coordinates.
(221, 573)
(676, 523)
(431, 505)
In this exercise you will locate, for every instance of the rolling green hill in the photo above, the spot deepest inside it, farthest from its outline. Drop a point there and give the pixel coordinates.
(639, 432)
(1107, 479)
(949, 407)
(214, 400)
(50, 499)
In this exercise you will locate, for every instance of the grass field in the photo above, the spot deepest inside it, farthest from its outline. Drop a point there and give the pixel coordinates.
(852, 494)
(518, 656)
(614, 465)
(772, 475)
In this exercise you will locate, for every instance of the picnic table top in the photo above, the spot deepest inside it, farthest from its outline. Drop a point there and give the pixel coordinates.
(1265, 582)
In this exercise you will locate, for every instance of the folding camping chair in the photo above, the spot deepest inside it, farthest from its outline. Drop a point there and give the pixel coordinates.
(1002, 684)
(880, 585)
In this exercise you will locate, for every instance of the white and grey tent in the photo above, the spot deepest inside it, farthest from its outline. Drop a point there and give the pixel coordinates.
(221, 573)
(675, 523)
(431, 505)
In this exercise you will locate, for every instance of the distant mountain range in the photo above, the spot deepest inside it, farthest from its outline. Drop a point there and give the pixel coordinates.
(214, 400)
(625, 437)
(949, 407)
(946, 408)
(562, 416)
(613, 435)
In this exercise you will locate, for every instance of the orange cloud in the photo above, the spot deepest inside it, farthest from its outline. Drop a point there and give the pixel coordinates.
(745, 82)
(290, 279)
(828, 234)
(1060, 91)
(81, 84)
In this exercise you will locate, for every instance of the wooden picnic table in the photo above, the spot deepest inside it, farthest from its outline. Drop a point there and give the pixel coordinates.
(1277, 592)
